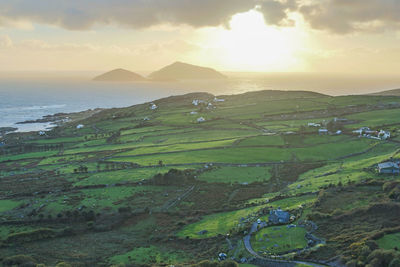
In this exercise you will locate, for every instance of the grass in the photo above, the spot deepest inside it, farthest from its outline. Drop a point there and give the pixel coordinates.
(375, 118)
(28, 155)
(389, 241)
(6, 230)
(266, 140)
(129, 175)
(219, 223)
(176, 147)
(7, 205)
(349, 170)
(151, 255)
(94, 199)
(236, 174)
(279, 239)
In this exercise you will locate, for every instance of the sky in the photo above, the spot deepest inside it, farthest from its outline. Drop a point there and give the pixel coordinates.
(340, 36)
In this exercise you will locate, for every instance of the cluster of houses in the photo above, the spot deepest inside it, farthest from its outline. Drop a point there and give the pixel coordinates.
(362, 132)
(197, 102)
(368, 133)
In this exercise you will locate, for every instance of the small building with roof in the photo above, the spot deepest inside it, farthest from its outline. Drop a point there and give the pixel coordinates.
(388, 168)
(279, 216)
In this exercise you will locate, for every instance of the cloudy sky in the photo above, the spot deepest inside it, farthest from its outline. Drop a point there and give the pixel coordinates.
(230, 35)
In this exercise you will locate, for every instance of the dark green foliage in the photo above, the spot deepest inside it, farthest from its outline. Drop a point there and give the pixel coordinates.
(208, 263)
(19, 260)
(174, 177)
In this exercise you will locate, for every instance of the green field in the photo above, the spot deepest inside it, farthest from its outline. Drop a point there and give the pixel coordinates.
(171, 191)
(279, 239)
(6, 205)
(149, 255)
(219, 223)
(236, 174)
(389, 241)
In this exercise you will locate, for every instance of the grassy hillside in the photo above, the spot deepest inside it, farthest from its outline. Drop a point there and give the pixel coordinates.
(138, 185)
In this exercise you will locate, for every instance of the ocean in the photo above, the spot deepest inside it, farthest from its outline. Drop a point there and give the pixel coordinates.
(32, 98)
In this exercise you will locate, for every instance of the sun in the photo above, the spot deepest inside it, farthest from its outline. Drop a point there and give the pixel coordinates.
(250, 45)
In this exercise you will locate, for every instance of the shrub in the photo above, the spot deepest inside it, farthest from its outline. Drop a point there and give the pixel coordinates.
(395, 263)
(19, 260)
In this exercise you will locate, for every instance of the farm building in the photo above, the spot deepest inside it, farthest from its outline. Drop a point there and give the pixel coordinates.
(383, 135)
(153, 106)
(322, 131)
(218, 100)
(193, 112)
(312, 124)
(201, 119)
(278, 216)
(79, 126)
(388, 168)
(196, 102)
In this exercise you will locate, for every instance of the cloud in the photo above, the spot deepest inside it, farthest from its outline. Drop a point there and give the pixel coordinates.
(275, 12)
(346, 16)
(85, 14)
(5, 41)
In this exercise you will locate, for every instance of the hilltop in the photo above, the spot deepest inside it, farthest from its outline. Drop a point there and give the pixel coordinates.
(190, 177)
(119, 75)
(184, 71)
(393, 92)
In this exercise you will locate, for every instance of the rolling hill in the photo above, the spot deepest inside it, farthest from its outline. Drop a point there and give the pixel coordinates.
(184, 71)
(393, 92)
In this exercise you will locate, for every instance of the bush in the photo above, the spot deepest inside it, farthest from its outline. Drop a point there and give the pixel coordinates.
(19, 260)
(381, 257)
(395, 263)
(207, 263)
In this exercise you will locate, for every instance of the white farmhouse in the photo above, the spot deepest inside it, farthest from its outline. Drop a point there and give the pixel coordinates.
(383, 135)
(80, 126)
(193, 113)
(153, 106)
(323, 131)
(201, 119)
(218, 99)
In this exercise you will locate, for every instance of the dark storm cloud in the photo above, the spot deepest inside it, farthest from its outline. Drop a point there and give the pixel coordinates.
(345, 16)
(83, 14)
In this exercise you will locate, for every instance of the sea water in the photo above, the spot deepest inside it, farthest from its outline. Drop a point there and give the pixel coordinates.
(32, 98)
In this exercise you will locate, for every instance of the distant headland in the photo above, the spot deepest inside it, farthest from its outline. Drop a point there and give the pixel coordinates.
(174, 72)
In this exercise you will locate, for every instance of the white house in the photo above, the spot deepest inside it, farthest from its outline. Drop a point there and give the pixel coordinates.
(41, 133)
(196, 102)
(193, 113)
(201, 119)
(153, 106)
(383, 135)
(79, 126)
(218, 99)
(312, 124)
(338, 132)
(323, 131)
(146, 118)
(363, 130)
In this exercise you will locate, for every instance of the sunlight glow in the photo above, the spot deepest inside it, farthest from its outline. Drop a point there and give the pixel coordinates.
(251, 45)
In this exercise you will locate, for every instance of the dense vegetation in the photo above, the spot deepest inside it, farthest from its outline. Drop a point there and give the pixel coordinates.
(140, 186)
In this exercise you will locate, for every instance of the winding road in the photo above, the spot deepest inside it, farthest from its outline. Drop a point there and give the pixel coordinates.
(272, 262)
